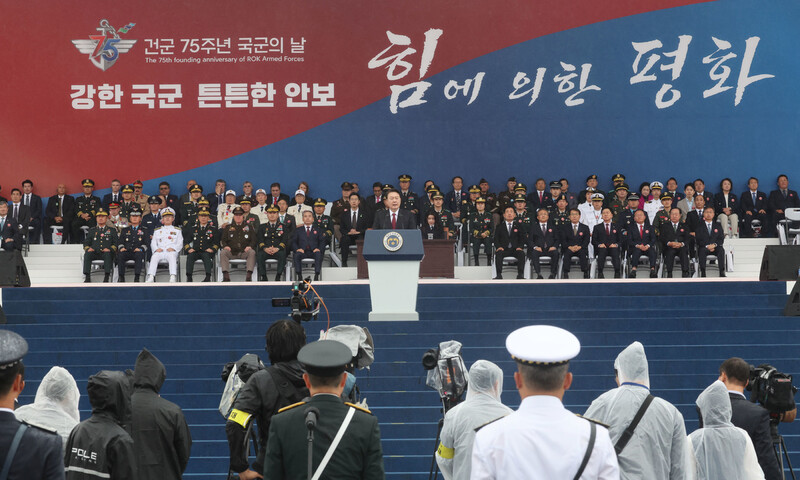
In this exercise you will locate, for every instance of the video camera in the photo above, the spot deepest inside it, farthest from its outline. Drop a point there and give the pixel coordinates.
(446, 372)
(304, 307)
(772, 389)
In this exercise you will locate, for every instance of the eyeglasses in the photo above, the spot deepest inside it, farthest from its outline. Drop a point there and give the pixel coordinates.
(163, 188)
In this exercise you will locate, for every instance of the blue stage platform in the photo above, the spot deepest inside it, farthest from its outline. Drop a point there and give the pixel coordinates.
(687, 328)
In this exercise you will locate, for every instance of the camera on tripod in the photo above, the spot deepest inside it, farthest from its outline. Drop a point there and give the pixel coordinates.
(446, 372)
(304, 307)
(772, 389)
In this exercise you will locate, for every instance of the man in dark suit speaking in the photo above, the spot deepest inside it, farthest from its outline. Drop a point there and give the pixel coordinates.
(754, 419)
(394, 217)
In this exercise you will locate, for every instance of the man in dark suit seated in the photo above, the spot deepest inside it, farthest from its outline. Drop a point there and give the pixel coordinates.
(353, 222)
(308, 242)
(543, 242)
(509, 241)
(34, 204)
(754, 419)
(607, 240)
(641, 241)
(575, 238)
(9, 239)
(753, 204)
(59, 212)
(710, 237)
(394, 217)
(20, 213)
(673, 236)
(779, 201)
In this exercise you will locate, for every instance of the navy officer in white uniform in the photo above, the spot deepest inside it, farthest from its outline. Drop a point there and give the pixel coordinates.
(542, 439)
(166, 246)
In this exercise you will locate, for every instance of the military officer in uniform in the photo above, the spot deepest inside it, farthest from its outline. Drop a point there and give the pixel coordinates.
(620, 200)
(444, 215)
(165, 246)
(133, 243)
(522, 213)
(481, 227)
(560, 213)
(200, 243)
(618, 179)
(272, 241)
(662, 216)
(468, 207)
(152, 219)
(238, 241)
(127, 204)
(542, 439)
(86, 207)
(324, 222)
(340, 206)
(30, 451)
(190, 207)
(138, 196)
(115, 219)
(408, 199)
(506, 197)
(250, 218)
(100, 244)
(344, 428)
(491, 198)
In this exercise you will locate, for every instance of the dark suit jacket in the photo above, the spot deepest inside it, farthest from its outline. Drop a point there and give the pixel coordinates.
(634, 238)
(777, 202)
(271, 200)
(405, 220)
(314, 240)
(51, 211)
(599, 235)
(39, 452)
(363, 221)
(23, 216)
(9, 230)
(534, 203)
(668, 234)
(703, 238)
(517, 238)
(709, 198)
(693, 220)
(733, 202)
(35, 206)
(755, 421)
(746, 202)
(569, 239)
(370, 205)
(436, 230)
(107, 199)
(545, 240)
(450, 200)
(214, 201)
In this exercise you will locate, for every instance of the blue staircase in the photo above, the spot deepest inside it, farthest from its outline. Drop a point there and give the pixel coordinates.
(688, 329)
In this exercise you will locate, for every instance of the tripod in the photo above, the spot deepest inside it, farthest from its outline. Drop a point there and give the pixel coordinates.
(780, 447)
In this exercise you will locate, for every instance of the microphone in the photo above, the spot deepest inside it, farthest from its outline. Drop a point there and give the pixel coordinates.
(311, 418)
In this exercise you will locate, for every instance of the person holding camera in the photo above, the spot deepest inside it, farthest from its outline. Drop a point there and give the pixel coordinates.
(482, 406)
(266, 392)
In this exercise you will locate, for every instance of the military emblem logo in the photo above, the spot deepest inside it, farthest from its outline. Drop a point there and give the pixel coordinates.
(105, 48)
(392, 241)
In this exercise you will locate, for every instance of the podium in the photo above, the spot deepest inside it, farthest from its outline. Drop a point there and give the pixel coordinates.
(393, 258)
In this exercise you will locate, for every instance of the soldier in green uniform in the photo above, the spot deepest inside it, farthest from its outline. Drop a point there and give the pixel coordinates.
(190, 208)
(662, 216)
(445, 217)
(272, 240)
(468, 206)
(200, 243)
(559, 213)
(618, 179)
(340, 205)
(506, 197)
(358, 453)
(323, 222)
(100, 244)
(481, 227)
(127, 204)
(237, 241)
(491, 198)
(620, 200)
(522, 214)
(250, 218)
(86, 207)
(408, 199)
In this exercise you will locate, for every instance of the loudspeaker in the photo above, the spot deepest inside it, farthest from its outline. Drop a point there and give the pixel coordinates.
(780, 262)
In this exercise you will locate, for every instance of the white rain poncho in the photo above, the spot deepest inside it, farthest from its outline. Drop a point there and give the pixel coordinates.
(658, 447)
(56, 404)
(481, 406)
(720, 449)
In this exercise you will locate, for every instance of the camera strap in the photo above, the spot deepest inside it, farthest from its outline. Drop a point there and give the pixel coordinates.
(589, 448)
(338, 438)
(628, 433)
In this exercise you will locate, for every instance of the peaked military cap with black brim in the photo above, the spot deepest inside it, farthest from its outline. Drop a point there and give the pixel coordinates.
(12, 348)
(325, 358)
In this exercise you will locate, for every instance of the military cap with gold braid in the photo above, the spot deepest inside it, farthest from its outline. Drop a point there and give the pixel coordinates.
(320, 202)
(543, 345)
(127, 189)
(474, 189)
(87, 182)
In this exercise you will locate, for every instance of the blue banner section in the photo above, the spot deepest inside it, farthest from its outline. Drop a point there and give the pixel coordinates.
(701, 91)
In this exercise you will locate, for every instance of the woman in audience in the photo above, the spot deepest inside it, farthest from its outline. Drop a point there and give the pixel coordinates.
(304, 187)
(726, 206)
(432, 228)
(721, 450)
(56, 404)
(644, 194)
(687, 203)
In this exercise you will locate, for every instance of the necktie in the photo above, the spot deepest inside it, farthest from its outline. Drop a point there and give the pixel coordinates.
(608, 229)
(709, 228)
(675, 227)
(575, 229)
(355, 218)
(784, 193)
(544, 227)
(27, 199)
(394, 220)
(509, 234)
(60, 206)
(754, 199)
(308, 230)
(2, 224)
(641, 231)
(15, 216)
(458, 197)
(540, 197)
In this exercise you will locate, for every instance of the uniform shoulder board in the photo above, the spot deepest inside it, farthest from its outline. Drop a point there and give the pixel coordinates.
(291, 406)
(357, 407)
(592, 420)
(39, 427)
(477, 429)
(158, 228)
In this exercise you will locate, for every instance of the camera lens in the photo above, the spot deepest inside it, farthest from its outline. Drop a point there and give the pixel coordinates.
(429, 359)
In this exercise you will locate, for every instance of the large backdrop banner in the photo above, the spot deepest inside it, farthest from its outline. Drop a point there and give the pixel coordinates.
(358, 90)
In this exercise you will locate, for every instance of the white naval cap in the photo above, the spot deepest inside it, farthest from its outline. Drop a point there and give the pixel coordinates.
(300, 191)
(658, 185)
(230, 192)
(598, 196)
(168, 211)
(542, 345)
(261, 190)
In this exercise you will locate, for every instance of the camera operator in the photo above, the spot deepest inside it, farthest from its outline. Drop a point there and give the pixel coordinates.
(754, 419)
(482, 406)
(266, 392)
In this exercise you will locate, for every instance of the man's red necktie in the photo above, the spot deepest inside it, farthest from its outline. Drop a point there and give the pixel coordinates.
(608, 229)
(394, 221)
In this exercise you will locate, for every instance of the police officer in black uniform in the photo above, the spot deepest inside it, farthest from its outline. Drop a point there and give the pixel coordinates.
(201, 242)
(100, 244)
(133, 243)
(358, 453)
(86, 207)
(36, 451)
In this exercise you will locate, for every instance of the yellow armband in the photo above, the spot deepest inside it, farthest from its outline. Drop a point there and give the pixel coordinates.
(444, 452)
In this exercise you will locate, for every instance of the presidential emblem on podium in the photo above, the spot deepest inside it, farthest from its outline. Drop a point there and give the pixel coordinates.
(393, 241)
